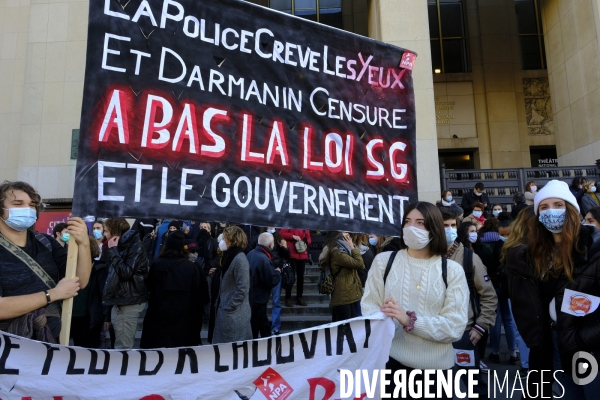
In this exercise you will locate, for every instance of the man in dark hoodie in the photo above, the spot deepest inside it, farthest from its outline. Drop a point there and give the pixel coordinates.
(125, 287)
(264, 278)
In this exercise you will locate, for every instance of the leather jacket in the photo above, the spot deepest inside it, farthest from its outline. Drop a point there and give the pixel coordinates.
(127, 272)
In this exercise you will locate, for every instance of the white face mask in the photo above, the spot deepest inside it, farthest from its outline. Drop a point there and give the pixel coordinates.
(496, 213)
(223, 245)
(415, 238)
(533, 188)
(477, 214)
(479, 193)
(472, 237)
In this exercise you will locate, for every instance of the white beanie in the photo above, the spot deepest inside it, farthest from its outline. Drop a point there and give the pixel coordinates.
(555, 189)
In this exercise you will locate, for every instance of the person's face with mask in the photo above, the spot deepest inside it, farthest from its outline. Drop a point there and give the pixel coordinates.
(271, 230)
(97, 230)
(373, 239)
(18, 211)
(451, 231)
(496, 211)
(590, 220)
(477, 212)
(63, 236)
(205, 226)
(172, 228)
(552, 213)
(504, 232)
(472, 233)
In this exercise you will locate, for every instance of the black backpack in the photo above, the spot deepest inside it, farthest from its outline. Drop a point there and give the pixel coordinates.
(391, 261)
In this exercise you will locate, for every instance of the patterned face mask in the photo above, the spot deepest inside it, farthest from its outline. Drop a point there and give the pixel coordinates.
(553, 219)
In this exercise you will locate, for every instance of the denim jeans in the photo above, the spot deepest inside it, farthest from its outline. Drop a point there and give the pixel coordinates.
(523, 349)
(276, 311)
(503, 316)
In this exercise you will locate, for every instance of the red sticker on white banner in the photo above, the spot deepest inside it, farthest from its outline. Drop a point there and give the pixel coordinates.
(273, 386)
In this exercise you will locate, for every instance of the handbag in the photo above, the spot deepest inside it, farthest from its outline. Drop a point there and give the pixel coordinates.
(301, 246)
(288, 278)
(326, 284)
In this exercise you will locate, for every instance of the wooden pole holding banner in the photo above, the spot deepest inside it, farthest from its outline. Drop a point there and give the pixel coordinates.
(67, 305)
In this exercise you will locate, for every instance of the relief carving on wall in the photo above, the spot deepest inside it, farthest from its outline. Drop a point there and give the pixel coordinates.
(538, 106)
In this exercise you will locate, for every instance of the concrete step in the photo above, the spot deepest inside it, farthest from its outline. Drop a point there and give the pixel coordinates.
(321, 309)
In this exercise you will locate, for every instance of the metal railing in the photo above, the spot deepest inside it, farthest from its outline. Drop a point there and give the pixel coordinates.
(502, 184)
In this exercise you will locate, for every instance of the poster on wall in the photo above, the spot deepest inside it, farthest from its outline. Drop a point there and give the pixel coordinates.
(228, 111)
(47, 220)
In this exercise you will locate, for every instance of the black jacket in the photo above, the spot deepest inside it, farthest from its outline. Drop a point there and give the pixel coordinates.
(175, 306)
(517, 209)
(263, 274)
(127, 272)
(469, 198)
(368, 258)
(280, 254)
(530, 304)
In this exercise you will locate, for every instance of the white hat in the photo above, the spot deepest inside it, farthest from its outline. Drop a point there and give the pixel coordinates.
(554, 189)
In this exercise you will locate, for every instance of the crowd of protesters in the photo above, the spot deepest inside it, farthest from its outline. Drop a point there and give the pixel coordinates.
(456, 275)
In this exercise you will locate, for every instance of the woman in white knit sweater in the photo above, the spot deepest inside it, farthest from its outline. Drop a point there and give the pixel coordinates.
(429, 313)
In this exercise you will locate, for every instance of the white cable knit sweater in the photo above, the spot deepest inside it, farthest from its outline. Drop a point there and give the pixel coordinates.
(442, 313)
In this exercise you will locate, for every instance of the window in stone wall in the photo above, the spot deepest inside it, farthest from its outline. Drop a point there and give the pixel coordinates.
(447, 31)
(531, 35)
(328, 12)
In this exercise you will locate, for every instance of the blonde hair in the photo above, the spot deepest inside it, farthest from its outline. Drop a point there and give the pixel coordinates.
(587, 183)
(235, 236)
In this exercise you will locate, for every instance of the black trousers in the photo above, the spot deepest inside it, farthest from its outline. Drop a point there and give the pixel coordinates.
(540, 358)
(341, 313)
(394, 366)
(83, 335)
(259, 321)
(298, 266)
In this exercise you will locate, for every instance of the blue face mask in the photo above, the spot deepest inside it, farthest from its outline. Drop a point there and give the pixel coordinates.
(20, 219)
(271, 231)
(448, 199)
(553, 219)
(503, 238)
(97, 234)
(65, 237)
(373, 241)
(496, 213)
(451, 235)
(477, 214)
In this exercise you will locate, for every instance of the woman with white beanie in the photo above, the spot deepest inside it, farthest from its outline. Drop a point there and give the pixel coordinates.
(554, 281)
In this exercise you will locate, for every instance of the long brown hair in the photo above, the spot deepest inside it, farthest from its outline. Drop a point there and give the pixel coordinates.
(540, 242)
(519, 231)
(433, 223)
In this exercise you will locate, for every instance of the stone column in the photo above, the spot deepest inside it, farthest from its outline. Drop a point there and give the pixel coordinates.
(571, 33)
(405, 23)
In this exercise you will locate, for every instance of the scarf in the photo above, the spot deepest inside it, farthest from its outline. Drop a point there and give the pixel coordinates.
(490, 237)
(33, 325)
(446, 204)
(343, 247)
(480, 219)
(267, 251)
(228, 256)
(363, 249)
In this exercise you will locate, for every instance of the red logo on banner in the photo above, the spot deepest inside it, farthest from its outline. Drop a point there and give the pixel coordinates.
(408, 60)
(463, 358)
(273, 386)
(580, 303)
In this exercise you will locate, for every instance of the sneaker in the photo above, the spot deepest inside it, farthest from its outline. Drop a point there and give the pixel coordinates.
(494, 357)
(301, 302)
(514, 360)
(483, 367)
(288, 303)
(275, 333)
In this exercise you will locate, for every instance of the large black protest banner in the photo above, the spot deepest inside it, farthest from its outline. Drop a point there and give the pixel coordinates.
(227, 111)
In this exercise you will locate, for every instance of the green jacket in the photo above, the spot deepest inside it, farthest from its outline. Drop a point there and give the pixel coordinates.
(348, 288)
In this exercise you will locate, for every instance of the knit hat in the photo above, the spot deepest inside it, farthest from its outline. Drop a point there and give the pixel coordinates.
(554, 189)
(176, 240)
(176, 224)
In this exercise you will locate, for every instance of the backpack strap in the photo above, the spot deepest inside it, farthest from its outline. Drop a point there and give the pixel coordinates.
(469, 272)
(28, 261)
(43, 240)
(389, 266)
(445, 271)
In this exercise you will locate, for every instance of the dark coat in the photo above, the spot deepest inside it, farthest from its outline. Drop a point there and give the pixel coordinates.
(280, 255)
(530, 304)
(264, 276)
(175, 304)
(469, 198)
(368, 258)
(517, 209)
(127, 272)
